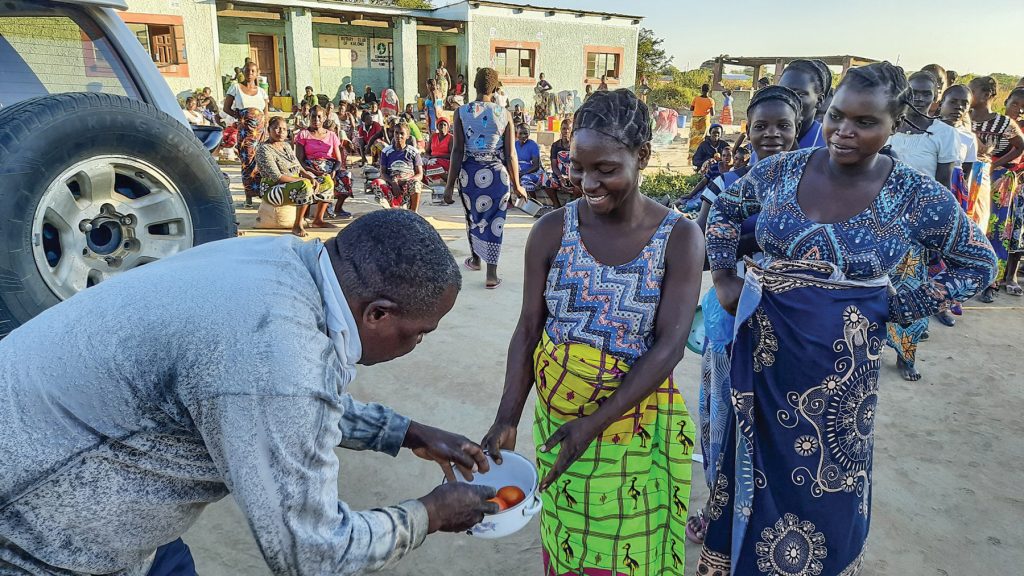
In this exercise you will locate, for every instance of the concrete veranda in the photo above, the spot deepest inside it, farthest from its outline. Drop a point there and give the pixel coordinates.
(948, 454)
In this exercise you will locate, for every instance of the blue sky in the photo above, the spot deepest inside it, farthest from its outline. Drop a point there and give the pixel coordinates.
(869, 28)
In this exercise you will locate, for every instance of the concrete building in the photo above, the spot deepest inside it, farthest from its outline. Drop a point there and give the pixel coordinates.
(327, 44)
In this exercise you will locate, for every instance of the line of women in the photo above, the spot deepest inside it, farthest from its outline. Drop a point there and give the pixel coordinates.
(610, 288)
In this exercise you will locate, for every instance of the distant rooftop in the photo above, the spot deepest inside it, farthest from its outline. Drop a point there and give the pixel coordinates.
(766, 60)
(550, 9)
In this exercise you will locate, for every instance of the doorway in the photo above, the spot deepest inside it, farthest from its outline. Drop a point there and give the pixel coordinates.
(263, 51)
(450, 62)
(424, 68)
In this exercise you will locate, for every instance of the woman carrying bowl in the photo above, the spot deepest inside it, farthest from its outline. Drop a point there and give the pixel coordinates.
(611, 286)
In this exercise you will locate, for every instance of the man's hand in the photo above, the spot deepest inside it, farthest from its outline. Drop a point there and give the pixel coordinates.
(456, 507)
(574, 438)
(446, 449)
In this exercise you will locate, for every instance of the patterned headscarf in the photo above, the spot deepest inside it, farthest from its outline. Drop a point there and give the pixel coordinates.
(617, 114)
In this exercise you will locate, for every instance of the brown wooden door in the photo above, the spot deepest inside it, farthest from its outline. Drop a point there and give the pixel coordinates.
(423, 67)
(263, 51)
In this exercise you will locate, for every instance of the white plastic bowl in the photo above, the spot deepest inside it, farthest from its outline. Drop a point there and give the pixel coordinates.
(515, 470)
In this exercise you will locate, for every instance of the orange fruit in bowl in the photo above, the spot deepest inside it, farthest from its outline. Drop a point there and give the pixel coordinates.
(512, 495)
(502, 505)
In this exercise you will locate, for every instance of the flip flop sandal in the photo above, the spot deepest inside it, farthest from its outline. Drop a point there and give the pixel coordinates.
(988, 296)
(493, 286)
(1014, 290)
(468, 263)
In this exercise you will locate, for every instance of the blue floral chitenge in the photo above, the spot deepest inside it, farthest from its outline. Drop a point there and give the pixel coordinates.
(792, 490)
(484, 180)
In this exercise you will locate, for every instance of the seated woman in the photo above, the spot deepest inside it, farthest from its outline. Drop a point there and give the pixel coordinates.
(439, 154)
(712, 169)
(320, 151)
(712, 144)
(347, 121)
(401, 172)
(369, 98)
(389, 104)
(558, 177)
(458, 94)
(531, 170)
(193, 114)
(284, 182)
(518, 116)
(367, 135)
(409, 116)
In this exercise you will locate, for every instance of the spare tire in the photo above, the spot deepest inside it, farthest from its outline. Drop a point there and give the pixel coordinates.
(94, 185)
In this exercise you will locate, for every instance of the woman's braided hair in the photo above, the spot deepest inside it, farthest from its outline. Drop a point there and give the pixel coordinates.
(817, 70)
(777, 93)
(618, 114)
(486, 81)
(940, 74)
(885, 76)
(986, 83)
(930, 77)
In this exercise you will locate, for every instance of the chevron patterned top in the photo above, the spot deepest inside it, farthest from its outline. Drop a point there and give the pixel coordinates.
(611, 308)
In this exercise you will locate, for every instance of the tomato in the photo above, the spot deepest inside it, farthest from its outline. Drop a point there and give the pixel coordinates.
(502, 505)
(511, 495)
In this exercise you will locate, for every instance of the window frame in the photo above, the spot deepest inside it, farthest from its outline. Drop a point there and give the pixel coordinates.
(176, 26)
(506, 45)
(617, 51)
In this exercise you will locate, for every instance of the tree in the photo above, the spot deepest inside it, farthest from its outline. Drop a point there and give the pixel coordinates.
(651, 59)
(417, 4)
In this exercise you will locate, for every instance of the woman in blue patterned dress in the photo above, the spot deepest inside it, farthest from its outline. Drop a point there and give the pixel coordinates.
(484, 166)
(793, 491)
(610, 291)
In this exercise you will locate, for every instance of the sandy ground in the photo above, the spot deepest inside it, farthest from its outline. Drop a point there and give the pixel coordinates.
(948, 456)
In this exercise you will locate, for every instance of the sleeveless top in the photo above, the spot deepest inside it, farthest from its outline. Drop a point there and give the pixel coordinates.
(483, 124)
(439, 147)
(610, 308)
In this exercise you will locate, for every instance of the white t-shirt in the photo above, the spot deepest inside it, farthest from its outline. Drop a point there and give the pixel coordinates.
(968, 147)
(501, 99)
(195, 117)
(349, 97)
(940, 144)
(243, 100)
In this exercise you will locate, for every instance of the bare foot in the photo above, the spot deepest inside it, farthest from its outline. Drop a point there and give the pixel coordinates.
(299, 231)
(909, 373)
(322, 224)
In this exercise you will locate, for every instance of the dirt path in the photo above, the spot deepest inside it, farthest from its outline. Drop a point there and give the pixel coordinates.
(948, 455)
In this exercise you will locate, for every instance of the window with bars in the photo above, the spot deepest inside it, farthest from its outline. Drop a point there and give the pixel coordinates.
(602, 64)
(515, 62)
(163, 37)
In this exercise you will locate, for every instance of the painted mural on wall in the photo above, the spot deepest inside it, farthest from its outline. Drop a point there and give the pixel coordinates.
(344, 51)
(381, 53)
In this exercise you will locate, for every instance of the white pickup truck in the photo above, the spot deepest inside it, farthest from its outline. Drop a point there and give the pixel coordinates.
(99, 171)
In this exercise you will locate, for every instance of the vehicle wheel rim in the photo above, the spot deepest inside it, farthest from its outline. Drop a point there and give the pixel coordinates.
(103, 216)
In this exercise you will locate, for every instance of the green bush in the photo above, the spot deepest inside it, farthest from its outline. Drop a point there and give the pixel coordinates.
(662, 183)
(671, 96)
